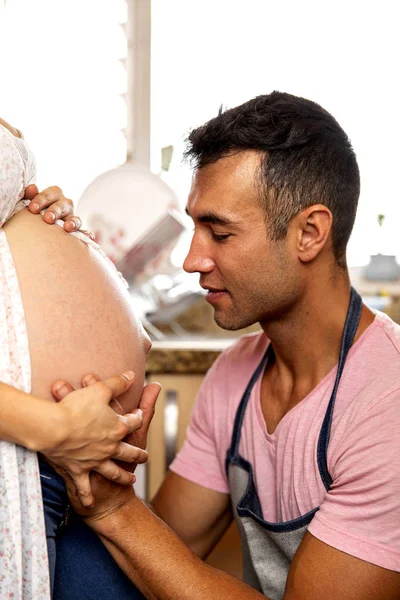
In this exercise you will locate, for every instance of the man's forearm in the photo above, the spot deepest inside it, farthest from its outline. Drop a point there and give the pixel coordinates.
(159, 563)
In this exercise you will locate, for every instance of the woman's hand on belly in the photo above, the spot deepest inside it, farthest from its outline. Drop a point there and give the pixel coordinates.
(57, 205)
(148, 399)
(91, 433)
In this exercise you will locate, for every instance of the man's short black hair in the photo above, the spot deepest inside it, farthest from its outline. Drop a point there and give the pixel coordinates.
(307, 159)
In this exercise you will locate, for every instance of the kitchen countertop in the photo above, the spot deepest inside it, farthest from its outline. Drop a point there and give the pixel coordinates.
(186, 355)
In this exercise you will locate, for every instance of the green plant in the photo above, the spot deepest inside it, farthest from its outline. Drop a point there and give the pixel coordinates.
(381, 218)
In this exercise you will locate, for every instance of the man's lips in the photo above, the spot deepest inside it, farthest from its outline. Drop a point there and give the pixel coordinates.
(214, 294)
(211, 288)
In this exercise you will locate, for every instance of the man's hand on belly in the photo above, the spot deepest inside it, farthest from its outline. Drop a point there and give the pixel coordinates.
(87, 434)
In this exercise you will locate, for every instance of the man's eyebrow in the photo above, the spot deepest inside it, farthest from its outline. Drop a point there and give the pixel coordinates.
(210, 217)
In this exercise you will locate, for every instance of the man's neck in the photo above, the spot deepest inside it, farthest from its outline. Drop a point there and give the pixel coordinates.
(307, 341)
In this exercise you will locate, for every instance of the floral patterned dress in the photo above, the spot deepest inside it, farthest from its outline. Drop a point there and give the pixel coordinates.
(24, 570)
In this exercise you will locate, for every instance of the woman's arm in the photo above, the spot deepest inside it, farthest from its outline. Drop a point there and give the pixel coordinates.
(79, 434)
(27, 420)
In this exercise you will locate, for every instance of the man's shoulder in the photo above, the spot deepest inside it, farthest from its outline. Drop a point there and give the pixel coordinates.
(382, 349)
(373, 376)
(390, 331)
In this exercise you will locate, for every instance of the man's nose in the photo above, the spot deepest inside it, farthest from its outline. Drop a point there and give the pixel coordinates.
(197, 260)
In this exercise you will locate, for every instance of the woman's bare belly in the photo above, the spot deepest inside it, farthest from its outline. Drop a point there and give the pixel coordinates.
(78, 314)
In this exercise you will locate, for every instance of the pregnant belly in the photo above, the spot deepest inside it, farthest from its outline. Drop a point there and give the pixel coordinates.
(79, 316)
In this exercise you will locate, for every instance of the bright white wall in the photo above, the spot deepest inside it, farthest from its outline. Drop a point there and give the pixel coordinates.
(342, 54)
(60, 80)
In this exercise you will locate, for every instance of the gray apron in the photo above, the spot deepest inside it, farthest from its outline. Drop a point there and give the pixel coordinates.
(269, 548)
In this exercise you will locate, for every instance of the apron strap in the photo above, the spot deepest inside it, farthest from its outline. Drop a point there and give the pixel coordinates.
(237, 427)
(349, 332)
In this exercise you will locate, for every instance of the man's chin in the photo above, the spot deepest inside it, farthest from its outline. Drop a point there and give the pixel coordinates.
(230, 324)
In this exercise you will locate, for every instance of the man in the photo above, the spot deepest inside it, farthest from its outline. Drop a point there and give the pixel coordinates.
(296, 427)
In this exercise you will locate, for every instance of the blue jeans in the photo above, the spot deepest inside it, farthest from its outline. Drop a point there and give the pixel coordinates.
(80, 566)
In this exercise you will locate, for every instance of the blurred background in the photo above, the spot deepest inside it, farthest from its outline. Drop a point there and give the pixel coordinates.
(90, 82)
(105, 92)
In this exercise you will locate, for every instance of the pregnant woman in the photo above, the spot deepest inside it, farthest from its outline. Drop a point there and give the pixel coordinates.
(65, 311)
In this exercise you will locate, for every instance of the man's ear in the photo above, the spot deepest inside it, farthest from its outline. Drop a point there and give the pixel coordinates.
(313, 229)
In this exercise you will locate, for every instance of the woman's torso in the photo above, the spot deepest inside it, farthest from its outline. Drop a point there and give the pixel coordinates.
(78, 314)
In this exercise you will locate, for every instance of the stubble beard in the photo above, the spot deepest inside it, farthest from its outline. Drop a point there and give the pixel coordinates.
(255, 308)
(230, 321)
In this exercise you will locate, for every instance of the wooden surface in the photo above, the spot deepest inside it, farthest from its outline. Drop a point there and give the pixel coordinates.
(186, 387)
(227, 553)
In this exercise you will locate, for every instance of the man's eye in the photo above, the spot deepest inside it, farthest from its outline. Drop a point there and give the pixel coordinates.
(220, 238)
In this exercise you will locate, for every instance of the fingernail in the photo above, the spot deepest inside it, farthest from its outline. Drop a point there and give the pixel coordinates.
(62, 389)
(72, 223)
(138, 412)
(52, 216)
(129, 375)
(35, 206)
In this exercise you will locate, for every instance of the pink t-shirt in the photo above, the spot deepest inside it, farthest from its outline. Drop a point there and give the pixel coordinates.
(360, 515)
